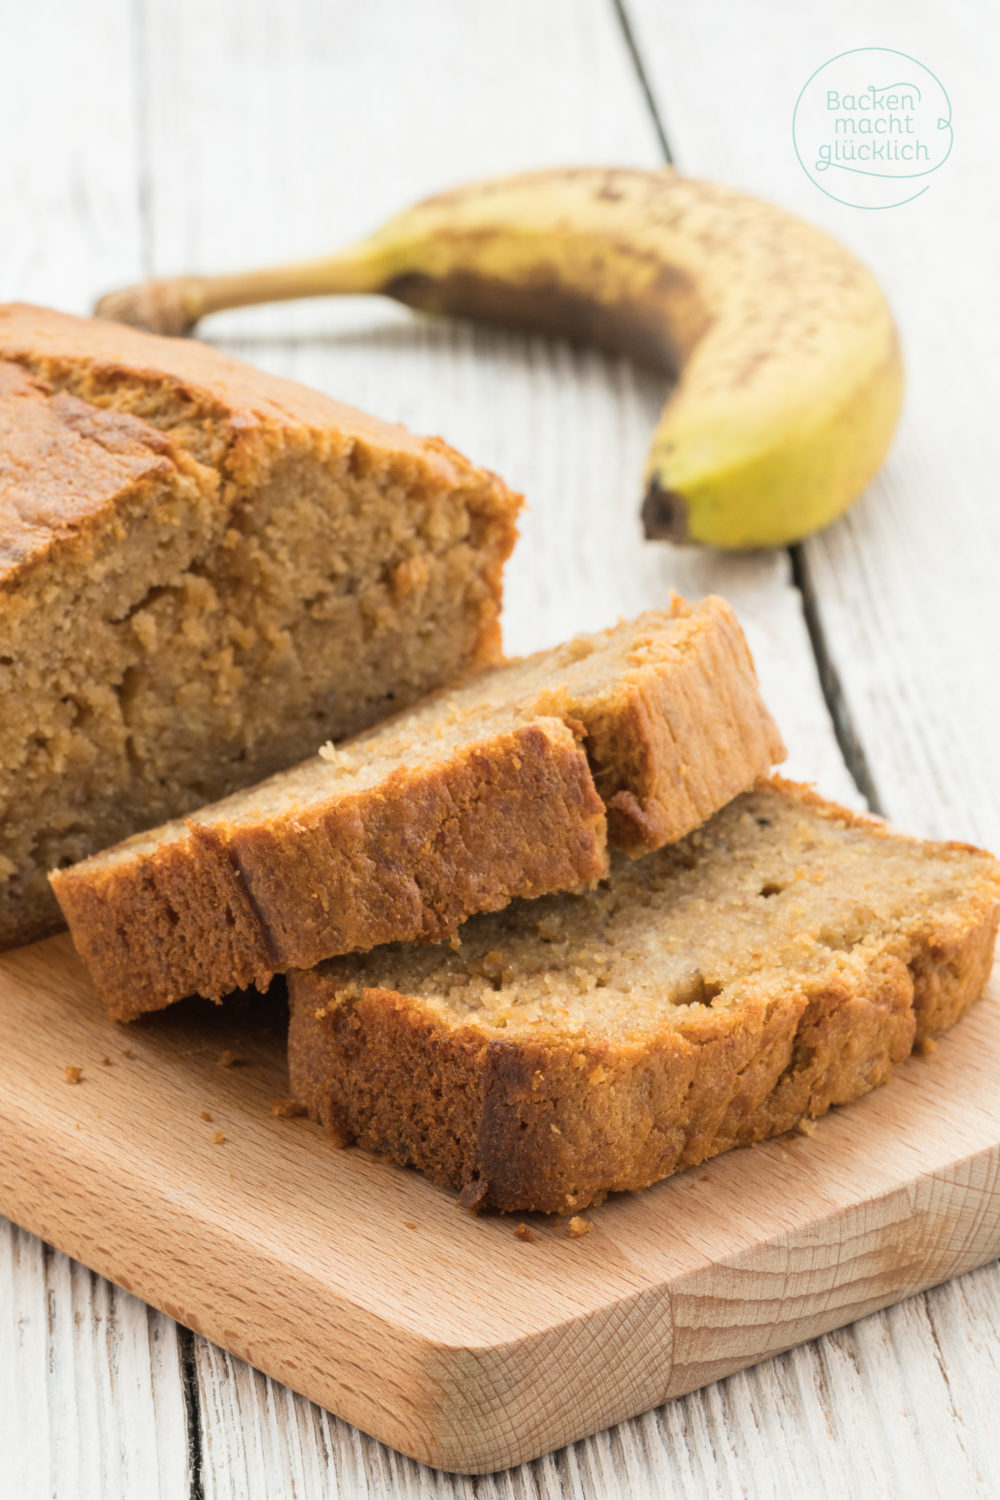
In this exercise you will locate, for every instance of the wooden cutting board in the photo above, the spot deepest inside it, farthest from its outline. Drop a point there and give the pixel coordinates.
(448, 1337)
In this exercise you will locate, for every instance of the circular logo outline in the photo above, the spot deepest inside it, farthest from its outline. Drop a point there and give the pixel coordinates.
(902, 176)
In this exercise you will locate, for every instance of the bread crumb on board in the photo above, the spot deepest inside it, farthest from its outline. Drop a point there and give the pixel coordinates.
(106, 1062)
(522, 1232)
(228, 1059)
(128, 1053)
(287, 1109)
(206, 1115)
(73, 1075)
(806, 1126)
(218, 1138)
(579, 1227)
(409, 1224)
(925, 1046)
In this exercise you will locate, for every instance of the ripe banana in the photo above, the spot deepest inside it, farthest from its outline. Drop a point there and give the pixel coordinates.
(788, 372)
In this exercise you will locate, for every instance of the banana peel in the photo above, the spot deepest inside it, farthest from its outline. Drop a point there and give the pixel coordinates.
(787, 368)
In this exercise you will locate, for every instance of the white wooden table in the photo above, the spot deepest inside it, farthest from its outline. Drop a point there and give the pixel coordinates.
(139, 137)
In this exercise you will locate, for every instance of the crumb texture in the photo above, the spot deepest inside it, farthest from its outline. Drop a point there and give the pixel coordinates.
(783, 958)
(205, 572)
(485, 792)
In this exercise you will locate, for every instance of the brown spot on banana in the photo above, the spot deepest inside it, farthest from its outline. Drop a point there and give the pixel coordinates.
(543, 302)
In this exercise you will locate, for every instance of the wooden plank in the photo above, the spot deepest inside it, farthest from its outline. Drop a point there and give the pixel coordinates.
(70, 165)
(91, 1390)
(904, 586)
(469, 1349)
(91, 1395)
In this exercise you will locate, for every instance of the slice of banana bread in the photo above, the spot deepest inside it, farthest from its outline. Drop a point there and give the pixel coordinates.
(783, 958)
(205, 572)
(479, 795)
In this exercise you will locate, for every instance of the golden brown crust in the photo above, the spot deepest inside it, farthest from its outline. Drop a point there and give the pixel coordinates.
(557, 1130)
(556, 1124)
(226, 905)
(62, 464)
(671, 748)
(104, 355)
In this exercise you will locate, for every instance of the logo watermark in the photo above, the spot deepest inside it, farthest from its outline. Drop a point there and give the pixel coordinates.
(870, 126)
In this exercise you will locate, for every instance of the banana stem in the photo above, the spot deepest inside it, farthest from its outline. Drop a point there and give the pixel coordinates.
(175, 304)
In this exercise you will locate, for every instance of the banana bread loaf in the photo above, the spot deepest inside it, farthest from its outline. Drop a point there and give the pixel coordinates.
(476, 796)
(206, 571)
(783, 958)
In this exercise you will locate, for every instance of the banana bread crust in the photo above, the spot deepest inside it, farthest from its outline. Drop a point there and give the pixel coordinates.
(676, 746)
(249, 889)
(217, 402)
(556, 1125)
(64, 462)
(224, 906)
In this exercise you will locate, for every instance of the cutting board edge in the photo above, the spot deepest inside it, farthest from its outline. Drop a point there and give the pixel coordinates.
(463, 1426)
(906, 1201)
(936, 1260)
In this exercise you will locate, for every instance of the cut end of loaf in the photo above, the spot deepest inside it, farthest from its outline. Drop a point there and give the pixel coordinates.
(221, 571)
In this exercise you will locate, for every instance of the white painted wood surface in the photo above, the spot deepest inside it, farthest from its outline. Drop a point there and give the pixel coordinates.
(211, 133)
